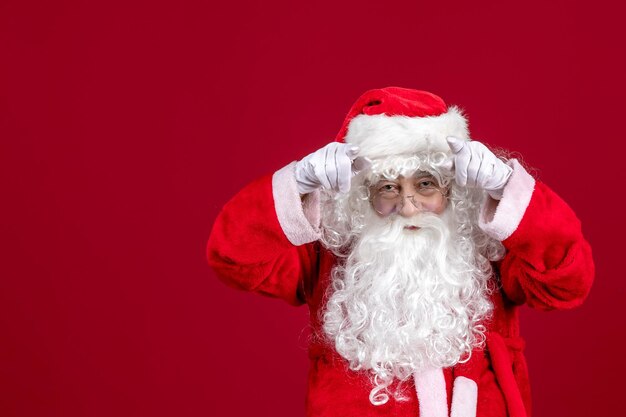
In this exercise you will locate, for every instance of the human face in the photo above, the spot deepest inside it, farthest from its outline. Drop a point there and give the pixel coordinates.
(388, 197)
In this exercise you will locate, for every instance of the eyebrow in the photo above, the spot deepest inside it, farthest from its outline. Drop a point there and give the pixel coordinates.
(416, 175)
(422, 174)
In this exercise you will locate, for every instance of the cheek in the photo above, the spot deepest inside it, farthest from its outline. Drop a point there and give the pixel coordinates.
(439, 207)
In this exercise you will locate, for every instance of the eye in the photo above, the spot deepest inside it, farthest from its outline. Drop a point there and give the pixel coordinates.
(426, 183)
(388, 188)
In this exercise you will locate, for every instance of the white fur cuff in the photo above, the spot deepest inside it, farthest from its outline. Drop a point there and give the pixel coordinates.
(299, 219)
(499, 219)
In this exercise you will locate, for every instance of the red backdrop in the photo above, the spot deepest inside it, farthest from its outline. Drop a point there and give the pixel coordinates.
(126, 125)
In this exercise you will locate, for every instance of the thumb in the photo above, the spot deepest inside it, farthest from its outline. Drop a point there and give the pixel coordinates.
(360, 163)
(455, 144)
(351, 151)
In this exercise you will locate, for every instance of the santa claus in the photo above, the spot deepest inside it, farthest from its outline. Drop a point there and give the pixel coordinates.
(412, 245)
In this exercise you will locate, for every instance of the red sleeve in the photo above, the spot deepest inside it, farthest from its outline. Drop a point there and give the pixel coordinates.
(249, 250)
(548, 262)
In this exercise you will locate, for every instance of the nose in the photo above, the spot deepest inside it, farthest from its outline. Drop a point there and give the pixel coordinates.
(409, 208)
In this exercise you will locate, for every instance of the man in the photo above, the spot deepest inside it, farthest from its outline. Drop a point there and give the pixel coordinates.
(412, 246)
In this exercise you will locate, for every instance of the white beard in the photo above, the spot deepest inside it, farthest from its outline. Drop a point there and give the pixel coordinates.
(406, 300)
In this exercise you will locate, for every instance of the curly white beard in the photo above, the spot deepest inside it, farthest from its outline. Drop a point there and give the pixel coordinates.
(405, 300)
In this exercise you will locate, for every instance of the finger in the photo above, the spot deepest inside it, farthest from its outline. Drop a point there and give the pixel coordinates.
(344, 172)
(484, 174)
(500, 176)
(473, 169)
(486, 171)
(352, 151)
(461, 164)
(319, 169)
(361, 163)
(455, 144)
(332, 167)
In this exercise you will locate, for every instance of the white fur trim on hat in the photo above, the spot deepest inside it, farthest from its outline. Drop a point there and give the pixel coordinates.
(381, 135)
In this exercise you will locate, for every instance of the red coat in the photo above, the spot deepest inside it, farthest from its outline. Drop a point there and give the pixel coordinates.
(265, 241)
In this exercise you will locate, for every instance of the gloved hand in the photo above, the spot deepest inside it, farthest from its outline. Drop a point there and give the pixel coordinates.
(330, 167)
(476, 166)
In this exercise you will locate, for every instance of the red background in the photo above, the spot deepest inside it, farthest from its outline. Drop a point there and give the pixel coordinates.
(125, 126)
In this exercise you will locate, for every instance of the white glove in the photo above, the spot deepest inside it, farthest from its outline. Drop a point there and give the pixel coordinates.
(330, 167)
(476, 166)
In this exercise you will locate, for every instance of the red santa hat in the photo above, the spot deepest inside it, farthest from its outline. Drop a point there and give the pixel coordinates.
(393, 120)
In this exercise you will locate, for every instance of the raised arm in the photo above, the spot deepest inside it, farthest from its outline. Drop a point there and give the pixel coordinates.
(548, 263)
(260, 240)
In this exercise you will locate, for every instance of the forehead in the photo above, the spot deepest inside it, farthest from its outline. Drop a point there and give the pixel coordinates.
(409, 176)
